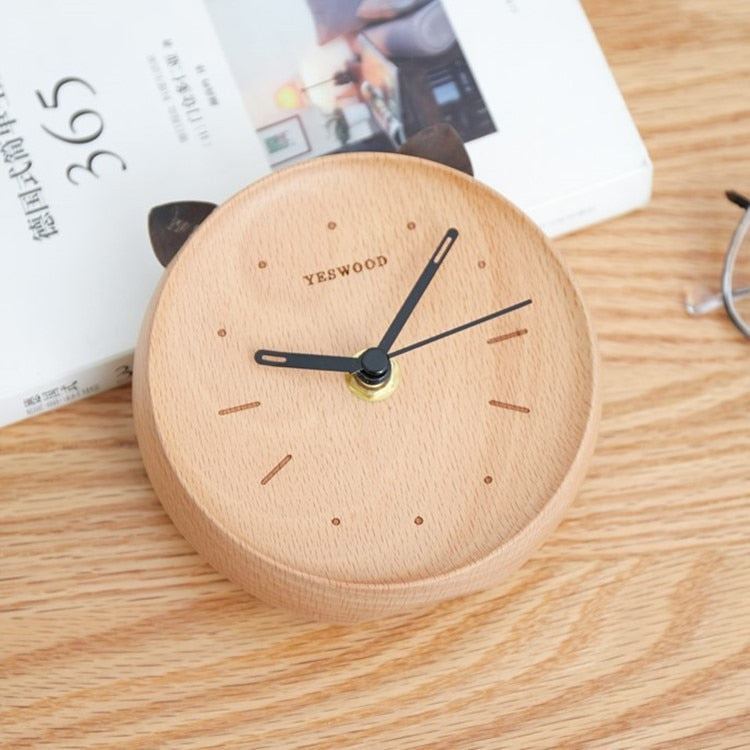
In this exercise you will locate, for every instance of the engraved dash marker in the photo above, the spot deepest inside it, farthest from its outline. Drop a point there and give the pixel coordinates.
(512, 407)
(503, 337)
(276, 469)
(239, 407)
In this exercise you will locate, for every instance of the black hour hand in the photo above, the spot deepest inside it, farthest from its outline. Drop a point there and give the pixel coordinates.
(307, 361)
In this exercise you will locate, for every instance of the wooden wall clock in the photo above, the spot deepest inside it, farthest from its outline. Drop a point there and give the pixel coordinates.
(366, 384)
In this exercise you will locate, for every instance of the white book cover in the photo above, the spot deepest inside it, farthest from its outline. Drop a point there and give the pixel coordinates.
(121, 107)
(524, 82)
(105, 111)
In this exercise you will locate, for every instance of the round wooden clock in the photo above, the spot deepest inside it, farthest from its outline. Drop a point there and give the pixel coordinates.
(366, 384)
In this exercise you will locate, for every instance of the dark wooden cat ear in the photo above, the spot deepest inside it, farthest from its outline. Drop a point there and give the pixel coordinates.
(170, 224)
(439, 143)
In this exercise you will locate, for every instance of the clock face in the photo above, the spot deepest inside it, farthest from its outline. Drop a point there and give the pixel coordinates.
(480, 436)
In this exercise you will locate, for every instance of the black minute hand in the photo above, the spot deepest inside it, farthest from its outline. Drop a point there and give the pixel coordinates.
(460, 328)
(419, 288)
(307, 361)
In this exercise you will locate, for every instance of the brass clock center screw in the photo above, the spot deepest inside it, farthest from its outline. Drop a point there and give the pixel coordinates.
(378, 378)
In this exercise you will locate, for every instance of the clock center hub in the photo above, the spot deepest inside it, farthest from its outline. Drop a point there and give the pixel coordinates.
(376, 367)
(378, 378)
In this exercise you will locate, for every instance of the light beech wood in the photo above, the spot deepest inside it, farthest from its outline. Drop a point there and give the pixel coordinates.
(628, 628)
(336, 507)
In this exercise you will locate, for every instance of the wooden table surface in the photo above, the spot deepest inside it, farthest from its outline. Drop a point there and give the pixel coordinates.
(630, 628)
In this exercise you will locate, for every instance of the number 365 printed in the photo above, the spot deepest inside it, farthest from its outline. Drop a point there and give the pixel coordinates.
(85, 126)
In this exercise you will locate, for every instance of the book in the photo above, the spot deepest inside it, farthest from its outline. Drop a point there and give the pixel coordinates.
(524, 82)
(123, 107)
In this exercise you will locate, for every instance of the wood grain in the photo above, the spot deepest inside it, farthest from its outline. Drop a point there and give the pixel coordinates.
(628, 629)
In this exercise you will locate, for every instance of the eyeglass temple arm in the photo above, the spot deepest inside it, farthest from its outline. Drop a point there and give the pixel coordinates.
(706, 302)
(727, 293)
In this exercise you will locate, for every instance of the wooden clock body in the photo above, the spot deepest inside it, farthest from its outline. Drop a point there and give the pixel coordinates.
(310, 497)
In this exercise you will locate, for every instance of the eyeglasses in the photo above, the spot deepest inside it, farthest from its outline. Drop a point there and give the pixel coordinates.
(700, 303)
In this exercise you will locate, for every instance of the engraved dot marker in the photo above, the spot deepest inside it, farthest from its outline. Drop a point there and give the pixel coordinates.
(419, 520)
(222, 332)
(262, 264)
(276, 469)
(332, 225)
(411, 225)
(336, 521)
(488, 479)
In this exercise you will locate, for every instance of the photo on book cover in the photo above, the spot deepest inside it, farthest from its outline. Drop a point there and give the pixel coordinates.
(329, 76)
